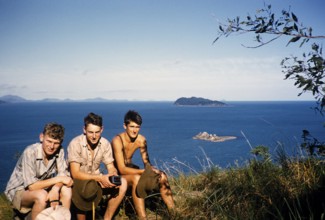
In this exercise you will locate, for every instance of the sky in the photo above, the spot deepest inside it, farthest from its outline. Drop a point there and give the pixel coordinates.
(143, 50)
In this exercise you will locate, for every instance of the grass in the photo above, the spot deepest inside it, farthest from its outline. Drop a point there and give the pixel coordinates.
(292, 188)
(5, 208)
(261, 189)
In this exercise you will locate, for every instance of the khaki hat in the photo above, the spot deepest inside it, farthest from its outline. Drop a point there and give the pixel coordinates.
(148, 182)
(85, 193)
(57, 213)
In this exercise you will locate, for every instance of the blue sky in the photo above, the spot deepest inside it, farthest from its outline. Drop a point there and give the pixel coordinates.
(143, 50)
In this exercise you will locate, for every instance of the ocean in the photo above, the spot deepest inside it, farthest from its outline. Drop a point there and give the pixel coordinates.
(169, 129)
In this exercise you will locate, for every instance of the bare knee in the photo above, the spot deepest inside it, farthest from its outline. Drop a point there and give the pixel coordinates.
(135, 179)
(66, 192)
(123, 187)
(40, 197)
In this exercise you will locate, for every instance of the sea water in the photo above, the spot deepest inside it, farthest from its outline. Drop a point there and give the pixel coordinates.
(169, 129)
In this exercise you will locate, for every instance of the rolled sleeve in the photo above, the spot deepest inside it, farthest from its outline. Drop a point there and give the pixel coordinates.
(74, 151)
(62, 164)
(29, 167)
(107, 154)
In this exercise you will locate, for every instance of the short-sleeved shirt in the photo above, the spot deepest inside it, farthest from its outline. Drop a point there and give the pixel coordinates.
(79, 152)
(31, 168)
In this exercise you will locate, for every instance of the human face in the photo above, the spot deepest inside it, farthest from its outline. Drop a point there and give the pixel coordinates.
(93, 134)
(132, 129)
(49, 145)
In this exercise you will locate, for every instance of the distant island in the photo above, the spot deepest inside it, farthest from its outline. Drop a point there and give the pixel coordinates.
(213, 137)
(193, 101)
(18, 99)
(196, 101)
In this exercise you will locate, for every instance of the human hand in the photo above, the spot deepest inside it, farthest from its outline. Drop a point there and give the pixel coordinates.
(66, 180)
(105, 182)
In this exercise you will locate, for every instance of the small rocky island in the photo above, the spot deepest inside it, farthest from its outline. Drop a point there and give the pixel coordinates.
(212, 137)
(195, 101)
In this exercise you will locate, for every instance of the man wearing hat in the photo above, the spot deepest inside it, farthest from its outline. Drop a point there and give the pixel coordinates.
(142, 181)
(85, 154)
(41, 178)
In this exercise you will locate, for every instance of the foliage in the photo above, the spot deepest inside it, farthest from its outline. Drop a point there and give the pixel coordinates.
(308, 71)
(263, 152)
(261, 189)
(5, 208)
(312, 146)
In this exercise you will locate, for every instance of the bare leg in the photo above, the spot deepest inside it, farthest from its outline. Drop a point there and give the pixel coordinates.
(37, 199)
(113, 203)
(65, 196)
(81, 216)
(166, 192)
(138, 202)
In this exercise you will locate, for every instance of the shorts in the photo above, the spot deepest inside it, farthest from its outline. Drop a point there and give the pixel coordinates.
(110, 192)
(16, 202)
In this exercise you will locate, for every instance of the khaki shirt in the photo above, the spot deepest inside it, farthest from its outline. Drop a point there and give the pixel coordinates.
(78, 152)
(31, 168)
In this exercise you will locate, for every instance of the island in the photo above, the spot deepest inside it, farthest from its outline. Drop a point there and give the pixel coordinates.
(212, 137)
(197, 101)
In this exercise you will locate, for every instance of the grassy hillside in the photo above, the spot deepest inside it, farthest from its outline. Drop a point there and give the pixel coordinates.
(5, 208)
(291, 188)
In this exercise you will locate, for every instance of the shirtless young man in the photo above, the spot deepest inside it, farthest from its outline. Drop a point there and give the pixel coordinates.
(124, 146)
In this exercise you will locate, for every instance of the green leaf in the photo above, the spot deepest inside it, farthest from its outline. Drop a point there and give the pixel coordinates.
(294, 39)
(294, 17)
(303, 41)
(295, 27)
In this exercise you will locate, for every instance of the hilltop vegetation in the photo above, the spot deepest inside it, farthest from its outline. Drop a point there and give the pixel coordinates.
(291, 188)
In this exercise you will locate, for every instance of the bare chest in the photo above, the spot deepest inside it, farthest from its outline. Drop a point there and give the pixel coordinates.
(129, 149)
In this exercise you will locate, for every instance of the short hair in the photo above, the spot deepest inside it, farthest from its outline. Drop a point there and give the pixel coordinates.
(94, 119)
(132, 116)
(54, 130)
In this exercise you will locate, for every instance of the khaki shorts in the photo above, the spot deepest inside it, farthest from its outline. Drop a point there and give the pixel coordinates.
(16, 202)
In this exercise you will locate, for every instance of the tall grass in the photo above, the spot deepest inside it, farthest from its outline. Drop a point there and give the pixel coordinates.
(261, 189)
(290, 188)
(5, 208)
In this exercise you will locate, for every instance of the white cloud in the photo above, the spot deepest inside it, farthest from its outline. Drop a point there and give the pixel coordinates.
(231, 79)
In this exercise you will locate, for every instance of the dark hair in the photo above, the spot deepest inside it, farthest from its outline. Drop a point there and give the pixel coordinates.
(54, 130)
(133, 116)
(94, 119)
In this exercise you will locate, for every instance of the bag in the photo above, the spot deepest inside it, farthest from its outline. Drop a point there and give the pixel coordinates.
(47, 174)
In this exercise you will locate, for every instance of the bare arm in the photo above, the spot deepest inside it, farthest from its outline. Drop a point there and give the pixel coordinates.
(77, 174)
(145, 154)
(59, 181)
(144, 150)
(101, 179)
